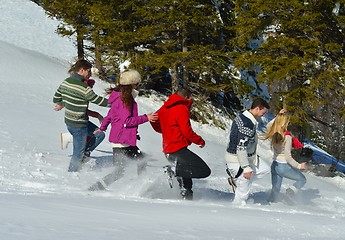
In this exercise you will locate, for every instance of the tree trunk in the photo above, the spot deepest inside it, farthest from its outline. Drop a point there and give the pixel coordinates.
(185, 74)
(98, 56)
(80, 45)
(174, 78)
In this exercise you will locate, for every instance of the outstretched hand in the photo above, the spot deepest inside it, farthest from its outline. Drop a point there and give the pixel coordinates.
(283, 110)
(58, 107)
(152, 117)
(97, 131)
(303, 166)
(248, 175)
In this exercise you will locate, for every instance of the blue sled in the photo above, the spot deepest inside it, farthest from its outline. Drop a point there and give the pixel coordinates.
(322, 157)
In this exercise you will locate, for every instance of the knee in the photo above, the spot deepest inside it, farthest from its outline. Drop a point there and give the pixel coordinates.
(100, 135)
(207, 172)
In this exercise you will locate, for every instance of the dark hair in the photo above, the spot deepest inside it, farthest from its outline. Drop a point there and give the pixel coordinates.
(259, 102)
(184, 92)
(126, 94)
(80, 64)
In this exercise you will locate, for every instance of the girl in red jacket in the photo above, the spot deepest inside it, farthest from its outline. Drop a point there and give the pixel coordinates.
(177, 133)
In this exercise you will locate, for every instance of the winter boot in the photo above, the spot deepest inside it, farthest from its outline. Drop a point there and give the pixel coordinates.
(291, 191)
(97, 186)
(170, 171)
(185, 189)
(65, 139)
(87, 157)
(289, 196)
(187, 194)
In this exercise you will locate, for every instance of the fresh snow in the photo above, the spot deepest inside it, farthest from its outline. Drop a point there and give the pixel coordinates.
(39, 199)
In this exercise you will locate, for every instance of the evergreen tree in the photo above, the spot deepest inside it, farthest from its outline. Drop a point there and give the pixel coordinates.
(74, 19)
(189, 40)
(301, 56)
(183, 38)
(303, 50)
(295, 47)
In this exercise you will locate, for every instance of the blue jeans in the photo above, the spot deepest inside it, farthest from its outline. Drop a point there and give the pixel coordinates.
(95, 139)
(281, 170)
(79, 141)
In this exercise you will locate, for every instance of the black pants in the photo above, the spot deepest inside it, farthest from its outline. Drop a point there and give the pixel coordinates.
(131, 152)
(122, 155)
(188, 166)
(120, 158)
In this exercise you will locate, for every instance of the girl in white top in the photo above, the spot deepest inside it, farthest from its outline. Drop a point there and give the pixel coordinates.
(283, 164)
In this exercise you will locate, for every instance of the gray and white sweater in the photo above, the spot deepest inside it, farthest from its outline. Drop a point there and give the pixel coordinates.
(243, 141)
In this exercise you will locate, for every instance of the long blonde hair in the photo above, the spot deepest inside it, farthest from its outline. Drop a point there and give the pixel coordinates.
(276, 132)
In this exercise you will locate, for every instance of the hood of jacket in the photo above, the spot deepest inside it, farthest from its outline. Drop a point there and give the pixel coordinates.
(176, 99)
(175, 126)
(113, 96)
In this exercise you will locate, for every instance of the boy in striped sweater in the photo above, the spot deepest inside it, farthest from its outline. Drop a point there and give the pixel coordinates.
(74, 95)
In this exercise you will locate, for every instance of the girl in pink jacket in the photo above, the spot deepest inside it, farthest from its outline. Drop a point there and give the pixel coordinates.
(124, 118)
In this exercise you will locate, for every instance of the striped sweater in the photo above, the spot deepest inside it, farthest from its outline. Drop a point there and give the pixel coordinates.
(75, 96)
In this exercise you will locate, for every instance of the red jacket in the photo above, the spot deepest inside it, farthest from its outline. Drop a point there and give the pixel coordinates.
(174, 124)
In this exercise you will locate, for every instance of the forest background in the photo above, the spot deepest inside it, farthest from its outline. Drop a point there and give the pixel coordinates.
(227, 52)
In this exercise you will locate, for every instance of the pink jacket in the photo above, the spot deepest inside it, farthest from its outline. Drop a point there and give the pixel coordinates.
(124, 122)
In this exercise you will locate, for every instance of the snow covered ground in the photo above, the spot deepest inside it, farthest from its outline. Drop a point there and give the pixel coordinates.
(39, 199)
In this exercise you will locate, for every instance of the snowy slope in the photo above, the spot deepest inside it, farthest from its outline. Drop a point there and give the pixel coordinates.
(39, 199)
